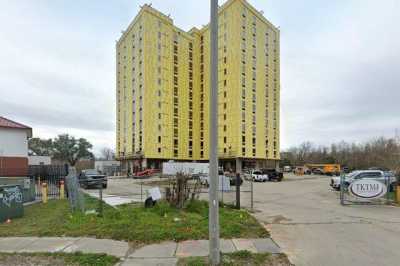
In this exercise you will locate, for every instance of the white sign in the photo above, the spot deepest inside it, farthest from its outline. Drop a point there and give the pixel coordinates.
(155, 193)
(172, 168)
(224, 183)
(27, 183)
(367, 189)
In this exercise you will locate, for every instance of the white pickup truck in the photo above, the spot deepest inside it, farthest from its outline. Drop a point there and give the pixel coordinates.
(381, 176)
(258, 176)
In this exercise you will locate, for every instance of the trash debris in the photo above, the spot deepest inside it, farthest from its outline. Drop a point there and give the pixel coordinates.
(155, 193)
(88, 212)
(149, 202)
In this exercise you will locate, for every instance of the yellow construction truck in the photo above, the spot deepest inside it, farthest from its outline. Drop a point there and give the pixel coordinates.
(324, 169)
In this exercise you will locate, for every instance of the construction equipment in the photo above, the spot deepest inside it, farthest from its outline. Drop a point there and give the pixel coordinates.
(327, 169)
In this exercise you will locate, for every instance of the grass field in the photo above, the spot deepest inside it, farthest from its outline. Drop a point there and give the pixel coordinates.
(55, 259)
(239, 258)
(132, 222)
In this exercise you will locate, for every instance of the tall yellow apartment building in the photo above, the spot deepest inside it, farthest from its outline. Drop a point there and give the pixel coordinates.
(163, 90)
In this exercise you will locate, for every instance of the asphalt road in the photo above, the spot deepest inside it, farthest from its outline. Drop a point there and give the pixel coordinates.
(307, 221)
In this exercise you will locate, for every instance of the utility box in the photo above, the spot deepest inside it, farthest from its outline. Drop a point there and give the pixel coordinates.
(11, 202)
(26, 184)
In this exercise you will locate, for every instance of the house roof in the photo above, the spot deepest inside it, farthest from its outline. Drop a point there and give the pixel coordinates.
(7, 123)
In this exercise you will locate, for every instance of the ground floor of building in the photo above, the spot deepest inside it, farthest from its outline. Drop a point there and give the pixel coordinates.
(234, 165)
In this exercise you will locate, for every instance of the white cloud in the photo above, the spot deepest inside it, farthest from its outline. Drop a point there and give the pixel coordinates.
(339, 62)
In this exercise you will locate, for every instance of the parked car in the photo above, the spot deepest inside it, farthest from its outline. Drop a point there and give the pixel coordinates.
(232, 180)
(204, 179)
(92, 178)
(259, 176)
(273, 174)
(287, 169)
(346, 170)
(301, 170)
(317, 171)
(377, 175)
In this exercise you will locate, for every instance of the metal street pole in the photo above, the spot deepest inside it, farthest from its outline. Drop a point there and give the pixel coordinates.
(213, 144)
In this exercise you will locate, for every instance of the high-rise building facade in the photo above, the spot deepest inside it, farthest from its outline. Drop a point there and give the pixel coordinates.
(163, 90)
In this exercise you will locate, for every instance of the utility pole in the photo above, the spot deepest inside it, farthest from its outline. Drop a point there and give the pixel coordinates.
(213, 144)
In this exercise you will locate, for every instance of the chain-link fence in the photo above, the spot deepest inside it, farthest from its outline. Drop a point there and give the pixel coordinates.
(125, 190)
(232, 190)
(367, 187)
(52, 176)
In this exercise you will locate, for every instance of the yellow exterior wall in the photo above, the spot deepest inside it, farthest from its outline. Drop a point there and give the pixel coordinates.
(145, 73)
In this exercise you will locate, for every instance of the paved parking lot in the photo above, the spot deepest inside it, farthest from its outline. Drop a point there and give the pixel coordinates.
(307, 221)
(122, 190)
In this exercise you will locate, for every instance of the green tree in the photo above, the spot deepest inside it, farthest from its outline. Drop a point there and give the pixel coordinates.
(69, 149)
(40, 147)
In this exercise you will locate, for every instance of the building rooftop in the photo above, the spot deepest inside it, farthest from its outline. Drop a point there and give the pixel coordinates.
(167, 18)
(7, 123)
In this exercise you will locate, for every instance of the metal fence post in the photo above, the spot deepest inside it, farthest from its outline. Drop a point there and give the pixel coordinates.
(252, 199)
(387, 181)
(101, 200)
(222, 189)
(342, 189)
(237, 191)
(44, 192)
(39, 189)
(62, 189)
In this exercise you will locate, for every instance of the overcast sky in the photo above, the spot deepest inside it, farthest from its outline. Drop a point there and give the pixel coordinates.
(340, 65)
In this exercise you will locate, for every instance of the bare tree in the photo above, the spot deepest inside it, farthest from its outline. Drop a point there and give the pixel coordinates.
(107, 154)
(379, 152)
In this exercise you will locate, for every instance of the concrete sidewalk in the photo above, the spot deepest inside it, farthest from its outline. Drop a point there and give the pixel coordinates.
(165, 253)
